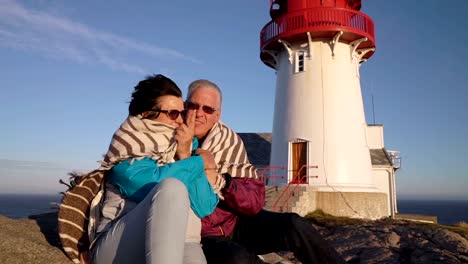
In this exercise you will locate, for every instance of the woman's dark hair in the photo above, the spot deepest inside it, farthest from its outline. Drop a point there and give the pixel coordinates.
(146, 93)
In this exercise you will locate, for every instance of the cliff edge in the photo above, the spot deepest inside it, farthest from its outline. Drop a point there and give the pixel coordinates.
(33, 240)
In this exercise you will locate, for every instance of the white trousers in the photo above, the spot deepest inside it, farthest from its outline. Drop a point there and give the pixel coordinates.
(155, 231)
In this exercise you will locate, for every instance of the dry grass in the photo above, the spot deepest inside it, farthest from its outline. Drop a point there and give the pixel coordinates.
(462, 224)
(323, 219)
(460, 228)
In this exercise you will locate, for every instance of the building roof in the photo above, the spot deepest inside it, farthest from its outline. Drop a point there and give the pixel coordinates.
(380, 158)
(258, 147)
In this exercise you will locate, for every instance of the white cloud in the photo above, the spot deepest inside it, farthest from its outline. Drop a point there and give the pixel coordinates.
(62, 38)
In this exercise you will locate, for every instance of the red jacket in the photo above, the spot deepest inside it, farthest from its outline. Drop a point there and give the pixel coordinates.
(242, 196)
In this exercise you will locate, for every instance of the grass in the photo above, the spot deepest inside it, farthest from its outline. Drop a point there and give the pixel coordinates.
(321, 218)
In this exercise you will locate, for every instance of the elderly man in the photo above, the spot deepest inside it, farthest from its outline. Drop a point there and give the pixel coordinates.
(239, 229)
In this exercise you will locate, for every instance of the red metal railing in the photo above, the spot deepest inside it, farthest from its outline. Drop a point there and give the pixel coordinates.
(270, 172)
(293, 192)
(316, 20)
(296, 182)
(314, 3)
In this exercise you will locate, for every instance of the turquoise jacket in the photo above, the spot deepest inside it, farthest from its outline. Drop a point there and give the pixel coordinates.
(137, 179)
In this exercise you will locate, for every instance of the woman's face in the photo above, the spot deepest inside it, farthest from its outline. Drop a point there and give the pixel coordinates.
(169, 103)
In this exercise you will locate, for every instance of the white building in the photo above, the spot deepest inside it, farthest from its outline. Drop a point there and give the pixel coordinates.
(385, 163)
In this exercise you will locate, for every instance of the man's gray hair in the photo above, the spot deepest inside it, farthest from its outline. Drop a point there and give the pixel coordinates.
(204, 84)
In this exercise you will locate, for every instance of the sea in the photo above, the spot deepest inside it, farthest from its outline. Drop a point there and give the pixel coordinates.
(24, 205)
(448, 212)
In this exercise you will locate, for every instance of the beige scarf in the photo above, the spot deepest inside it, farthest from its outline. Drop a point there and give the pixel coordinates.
(137, 138)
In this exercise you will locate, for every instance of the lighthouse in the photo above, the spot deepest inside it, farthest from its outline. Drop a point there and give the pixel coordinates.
(320, 134)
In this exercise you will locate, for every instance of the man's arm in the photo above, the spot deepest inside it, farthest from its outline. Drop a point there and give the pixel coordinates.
(243, 195)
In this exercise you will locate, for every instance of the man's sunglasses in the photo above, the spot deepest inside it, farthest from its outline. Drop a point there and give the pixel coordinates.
(172, 114)
(193, 106)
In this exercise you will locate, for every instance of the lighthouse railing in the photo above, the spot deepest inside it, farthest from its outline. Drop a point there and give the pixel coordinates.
(294, 183)
(270, 175)
(317, 20)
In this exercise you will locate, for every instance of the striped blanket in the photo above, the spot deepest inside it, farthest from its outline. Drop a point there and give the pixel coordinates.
(136, 138)
(229, 152)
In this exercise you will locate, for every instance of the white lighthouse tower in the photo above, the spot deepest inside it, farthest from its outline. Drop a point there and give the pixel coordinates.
(320, 133)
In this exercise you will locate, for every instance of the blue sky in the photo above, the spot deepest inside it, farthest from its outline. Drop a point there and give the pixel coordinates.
(67, 69)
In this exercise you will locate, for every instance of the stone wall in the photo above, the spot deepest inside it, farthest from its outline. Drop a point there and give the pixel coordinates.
(350, 204)
(353, 204)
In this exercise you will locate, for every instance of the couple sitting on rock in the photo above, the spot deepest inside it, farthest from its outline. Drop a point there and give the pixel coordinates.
(176, 186)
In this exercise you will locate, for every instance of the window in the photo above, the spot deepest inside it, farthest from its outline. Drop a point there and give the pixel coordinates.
(300, 62)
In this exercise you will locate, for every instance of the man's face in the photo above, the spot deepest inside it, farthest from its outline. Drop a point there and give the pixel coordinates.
(205, 121)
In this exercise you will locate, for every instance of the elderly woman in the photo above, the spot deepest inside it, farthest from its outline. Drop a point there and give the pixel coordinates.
(156, 220)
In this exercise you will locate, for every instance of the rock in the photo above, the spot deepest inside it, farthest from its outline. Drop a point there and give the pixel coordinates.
(30, 241)
(35, 240)
(448, 240)
(279, 258)
(393, 239)
(397, 242)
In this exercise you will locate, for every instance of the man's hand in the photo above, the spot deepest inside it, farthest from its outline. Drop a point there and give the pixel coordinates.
(184, 135)
(210, 164)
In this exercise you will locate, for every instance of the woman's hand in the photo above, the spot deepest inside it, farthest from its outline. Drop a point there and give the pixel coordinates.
(184, 135)
(211, 168)
(85, 258)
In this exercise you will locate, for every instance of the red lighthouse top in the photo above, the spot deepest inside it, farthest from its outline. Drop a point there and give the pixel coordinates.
(292, 19)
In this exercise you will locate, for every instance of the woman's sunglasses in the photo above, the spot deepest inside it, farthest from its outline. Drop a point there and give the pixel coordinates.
(193, 106)
(172, 114)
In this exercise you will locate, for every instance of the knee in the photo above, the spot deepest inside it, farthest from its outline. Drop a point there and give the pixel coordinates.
(172, 189)
(295, 221)
(298, 224)
(174, 185)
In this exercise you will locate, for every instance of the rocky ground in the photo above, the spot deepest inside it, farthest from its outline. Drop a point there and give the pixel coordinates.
(30, 241)
(386, 241)
(396, 241)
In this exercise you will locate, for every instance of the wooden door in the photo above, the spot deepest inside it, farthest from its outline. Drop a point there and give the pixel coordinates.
(299, 160)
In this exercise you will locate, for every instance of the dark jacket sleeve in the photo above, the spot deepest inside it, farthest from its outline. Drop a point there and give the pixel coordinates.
(243, 195)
